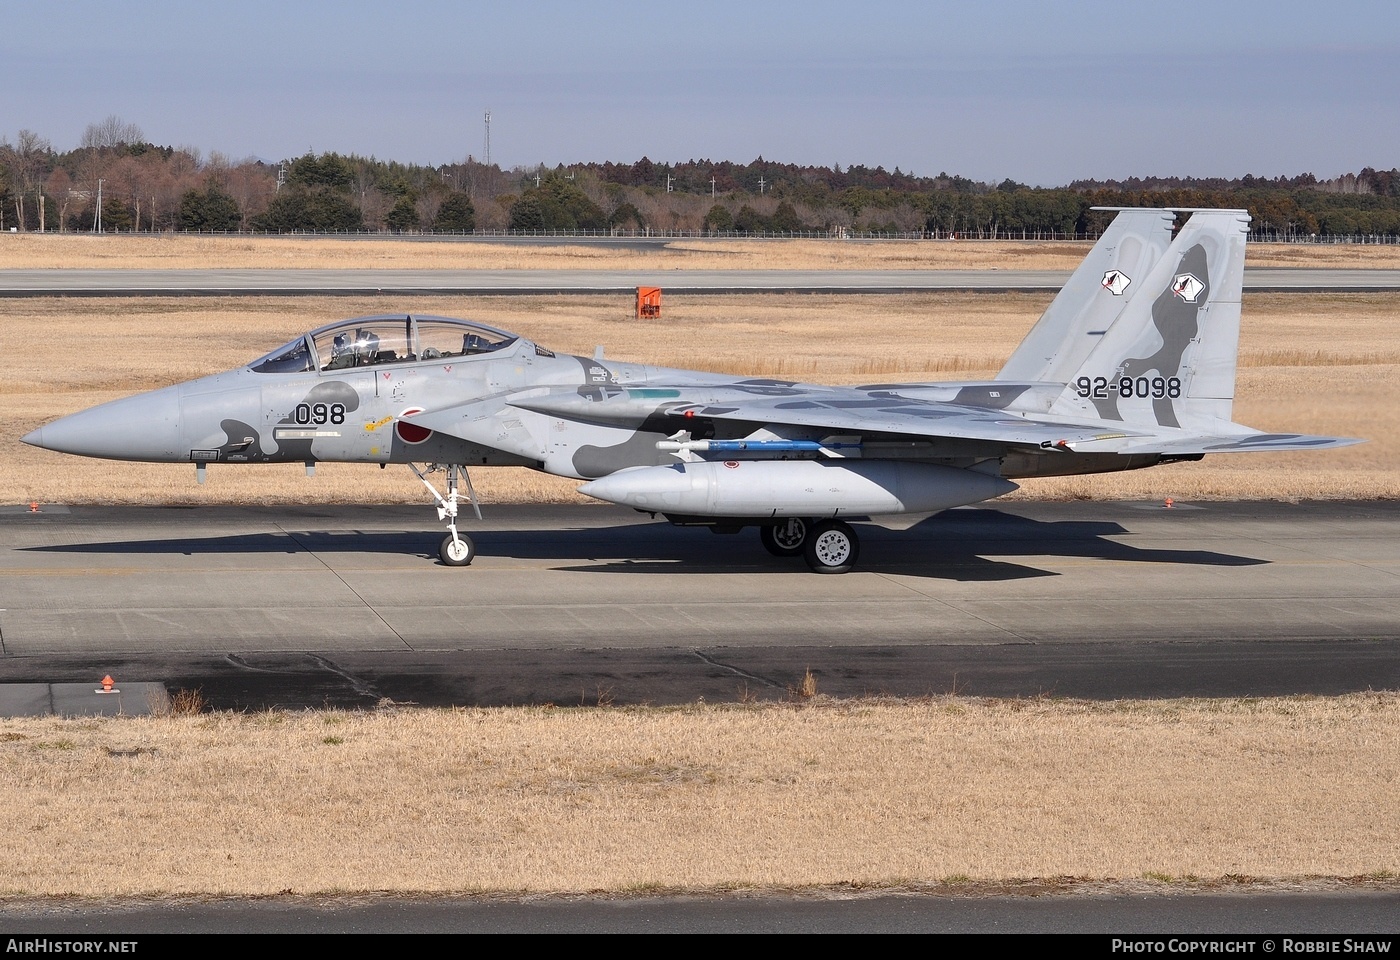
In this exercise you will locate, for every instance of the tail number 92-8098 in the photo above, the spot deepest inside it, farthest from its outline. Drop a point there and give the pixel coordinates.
(1100, 388)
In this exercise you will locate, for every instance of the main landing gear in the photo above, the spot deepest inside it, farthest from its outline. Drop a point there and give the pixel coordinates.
(457, 549)
(787, 538)
(828, 546)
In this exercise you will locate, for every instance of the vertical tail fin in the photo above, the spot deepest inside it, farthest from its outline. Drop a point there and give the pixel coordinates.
(1093, 297)
(1169, 359)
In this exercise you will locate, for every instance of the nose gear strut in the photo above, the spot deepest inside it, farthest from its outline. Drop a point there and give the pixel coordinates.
(457, 549)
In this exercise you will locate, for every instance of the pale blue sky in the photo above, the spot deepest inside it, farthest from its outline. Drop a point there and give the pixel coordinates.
(1038, 91)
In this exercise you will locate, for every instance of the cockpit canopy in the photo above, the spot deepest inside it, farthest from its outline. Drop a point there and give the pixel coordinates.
(371, 341)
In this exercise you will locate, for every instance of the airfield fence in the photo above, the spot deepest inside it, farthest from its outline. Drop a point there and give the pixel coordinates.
(972, 236)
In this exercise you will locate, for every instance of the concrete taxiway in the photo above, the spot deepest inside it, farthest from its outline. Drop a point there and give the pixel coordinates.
(108, 283)
(346, 605)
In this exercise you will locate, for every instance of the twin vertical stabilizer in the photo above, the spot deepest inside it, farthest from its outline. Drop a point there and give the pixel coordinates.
(1169, 359)
(1146, 333)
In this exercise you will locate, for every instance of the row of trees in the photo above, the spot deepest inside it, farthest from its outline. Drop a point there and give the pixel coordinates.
(577, 201)
(143, 186)
(117, 180)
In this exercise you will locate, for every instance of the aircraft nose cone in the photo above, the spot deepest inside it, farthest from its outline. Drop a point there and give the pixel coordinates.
(143, 427)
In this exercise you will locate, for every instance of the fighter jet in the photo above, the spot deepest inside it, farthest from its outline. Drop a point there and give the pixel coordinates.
(1131, 366)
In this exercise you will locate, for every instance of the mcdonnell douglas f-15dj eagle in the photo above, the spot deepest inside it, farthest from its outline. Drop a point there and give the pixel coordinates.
(1131, 366)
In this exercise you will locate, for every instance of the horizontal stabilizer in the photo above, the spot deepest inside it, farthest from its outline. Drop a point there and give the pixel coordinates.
(1247, 443)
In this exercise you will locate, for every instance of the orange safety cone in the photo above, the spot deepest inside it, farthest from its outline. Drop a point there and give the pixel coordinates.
(33, 506)
(1168, 504)
(108, 684)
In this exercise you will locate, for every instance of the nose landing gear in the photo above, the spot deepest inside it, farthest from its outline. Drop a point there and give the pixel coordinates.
(457, 549)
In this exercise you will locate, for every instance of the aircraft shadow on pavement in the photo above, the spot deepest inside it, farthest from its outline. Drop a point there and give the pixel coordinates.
(964, 545)
(960, 545)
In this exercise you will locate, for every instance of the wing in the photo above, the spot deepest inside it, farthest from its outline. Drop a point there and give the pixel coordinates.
(859, 412)
(846, 410)
(915, 418)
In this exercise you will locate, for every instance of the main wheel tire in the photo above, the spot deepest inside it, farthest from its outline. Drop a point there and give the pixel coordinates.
(457, 552)
(833, 547)
(787, 538)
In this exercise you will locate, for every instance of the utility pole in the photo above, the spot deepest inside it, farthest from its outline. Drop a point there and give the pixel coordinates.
(760, 184)
(97, 219)
(668, 183)
(488, 138)
(712, 188)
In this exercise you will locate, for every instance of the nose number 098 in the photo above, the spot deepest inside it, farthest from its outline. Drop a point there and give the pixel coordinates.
(319, 413)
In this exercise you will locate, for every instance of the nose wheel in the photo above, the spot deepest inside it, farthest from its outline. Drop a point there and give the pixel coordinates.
(457, 550)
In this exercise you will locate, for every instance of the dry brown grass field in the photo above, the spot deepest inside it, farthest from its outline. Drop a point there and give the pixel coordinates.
(79, 251)
(1316, 363)
(950, 793)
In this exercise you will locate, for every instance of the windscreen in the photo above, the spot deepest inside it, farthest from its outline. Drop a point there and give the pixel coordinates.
(295, 357)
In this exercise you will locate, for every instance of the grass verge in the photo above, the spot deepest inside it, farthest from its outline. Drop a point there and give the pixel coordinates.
(948, 792)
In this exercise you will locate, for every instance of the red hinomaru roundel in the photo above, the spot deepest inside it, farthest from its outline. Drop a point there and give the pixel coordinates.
(411, 432)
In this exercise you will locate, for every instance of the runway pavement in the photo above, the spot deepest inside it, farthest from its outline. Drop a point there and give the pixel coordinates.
(298, 606)
(1095, 915)
(105, 283)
